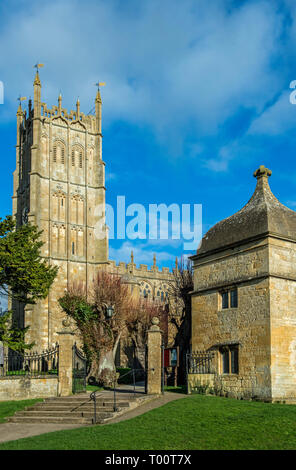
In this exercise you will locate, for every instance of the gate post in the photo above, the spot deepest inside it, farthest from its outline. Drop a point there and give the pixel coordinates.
(154, 359)
(66, 339)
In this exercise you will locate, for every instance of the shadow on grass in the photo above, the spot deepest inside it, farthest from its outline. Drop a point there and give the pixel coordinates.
(180, 389)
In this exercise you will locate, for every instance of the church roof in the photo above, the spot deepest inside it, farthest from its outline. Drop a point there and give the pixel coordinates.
(262, 215)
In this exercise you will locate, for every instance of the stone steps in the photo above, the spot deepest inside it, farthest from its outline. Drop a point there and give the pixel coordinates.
(80, 405)
(73, 410)
(62, 409)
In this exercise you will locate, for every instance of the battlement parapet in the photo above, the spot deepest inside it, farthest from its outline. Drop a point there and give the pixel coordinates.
(72, 117)
(142, 270)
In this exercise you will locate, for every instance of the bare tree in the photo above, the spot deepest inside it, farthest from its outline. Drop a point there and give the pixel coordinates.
(179, 295)
(101, 335)
(138, 322)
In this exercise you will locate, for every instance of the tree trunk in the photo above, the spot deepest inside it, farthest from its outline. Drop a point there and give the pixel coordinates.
(106, 370)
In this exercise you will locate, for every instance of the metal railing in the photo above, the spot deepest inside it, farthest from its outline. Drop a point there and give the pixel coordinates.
(32, 364)
(200, 362)
(134, 374)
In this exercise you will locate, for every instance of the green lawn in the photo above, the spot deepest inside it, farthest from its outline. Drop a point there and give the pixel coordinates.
(194, 422)
(8, 408)
(93, 388)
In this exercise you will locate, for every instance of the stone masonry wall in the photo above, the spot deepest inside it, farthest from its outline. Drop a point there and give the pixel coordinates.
(247, 325)
(283, 320)
(24, 388)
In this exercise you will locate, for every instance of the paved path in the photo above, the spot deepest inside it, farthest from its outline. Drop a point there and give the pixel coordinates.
(13, 431)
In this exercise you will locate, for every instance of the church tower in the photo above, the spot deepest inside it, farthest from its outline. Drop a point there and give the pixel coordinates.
(59, 185)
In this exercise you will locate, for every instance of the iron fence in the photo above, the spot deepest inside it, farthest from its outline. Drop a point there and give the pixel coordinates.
(200, 362)
(79, 370)
(32, 364)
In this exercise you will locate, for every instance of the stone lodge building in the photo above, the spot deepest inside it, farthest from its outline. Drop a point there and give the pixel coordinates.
(244, 299)
(59, 181)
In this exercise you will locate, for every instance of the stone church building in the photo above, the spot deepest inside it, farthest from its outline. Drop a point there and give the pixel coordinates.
(244, 300)
(59, 181)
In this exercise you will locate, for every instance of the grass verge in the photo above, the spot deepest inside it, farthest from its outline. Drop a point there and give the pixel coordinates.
(194, 422)
(8, 408)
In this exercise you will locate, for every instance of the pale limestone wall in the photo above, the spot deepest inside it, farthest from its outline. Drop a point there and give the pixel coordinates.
(61, 185)
(195, 381)
(25, 388)
(247, 325)
(232, 265)
(283, 320)
(154, 351)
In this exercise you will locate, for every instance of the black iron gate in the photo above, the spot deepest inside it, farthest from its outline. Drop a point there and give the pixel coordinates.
(79, 371)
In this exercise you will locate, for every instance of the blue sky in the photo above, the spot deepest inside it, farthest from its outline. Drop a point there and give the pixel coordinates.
(197, 97)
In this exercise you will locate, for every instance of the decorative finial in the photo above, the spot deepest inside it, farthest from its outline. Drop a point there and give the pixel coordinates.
(60, 102)
(98, 97)
(20, 99)
(176, 262)
(132, 257)
(37, 79)
(100, 84)
(77, 108)
(38, 66)
(262, 171)
(154, 259)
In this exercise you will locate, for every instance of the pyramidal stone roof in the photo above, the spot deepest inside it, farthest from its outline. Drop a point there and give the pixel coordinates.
(262, 215)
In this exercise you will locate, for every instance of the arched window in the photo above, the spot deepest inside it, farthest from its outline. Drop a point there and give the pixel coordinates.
(162, 293)
(59, 151)
(58, 206)
(77, 155)
(77, 209)
(146, 290)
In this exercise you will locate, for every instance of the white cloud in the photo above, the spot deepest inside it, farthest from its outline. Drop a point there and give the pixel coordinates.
(176, 67)
(276, 119)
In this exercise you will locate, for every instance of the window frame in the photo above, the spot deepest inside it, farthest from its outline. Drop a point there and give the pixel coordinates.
(232, 301)
(231, 352)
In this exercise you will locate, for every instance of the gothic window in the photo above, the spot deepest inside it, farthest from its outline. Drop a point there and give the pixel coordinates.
(59, 153)
(77, 210)
(54, 239)
(73, 240)
(77, 241)
(59, 206)
(77, 156)
(146, 290)
(44, 146)
(58, 239)
(80, 242)
(90, 157)
(162, 294)
(62, 240)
